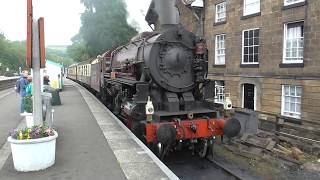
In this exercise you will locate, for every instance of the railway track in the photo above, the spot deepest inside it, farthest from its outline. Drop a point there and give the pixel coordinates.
(188, 167)
(6, 83)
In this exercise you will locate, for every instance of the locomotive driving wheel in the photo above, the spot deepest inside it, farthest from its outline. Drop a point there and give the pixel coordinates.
(161, 150)
(202, 148)
(210, 151)
(205, 148)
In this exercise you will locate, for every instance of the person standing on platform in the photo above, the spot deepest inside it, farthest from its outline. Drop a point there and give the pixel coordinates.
(46, 83)
(29, 88)
(46, 80)
(23, 82)
(28, 98)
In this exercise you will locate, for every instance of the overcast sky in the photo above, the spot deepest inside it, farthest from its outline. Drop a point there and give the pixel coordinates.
(62, 18)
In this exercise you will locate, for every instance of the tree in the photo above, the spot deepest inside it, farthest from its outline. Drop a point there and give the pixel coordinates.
(78, 51)
(104, 26)
(12, 54)
(58, 56)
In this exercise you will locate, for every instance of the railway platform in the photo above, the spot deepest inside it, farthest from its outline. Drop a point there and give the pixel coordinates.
(92, 142)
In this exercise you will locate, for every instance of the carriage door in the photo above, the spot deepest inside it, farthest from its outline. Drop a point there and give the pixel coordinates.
(249, 96)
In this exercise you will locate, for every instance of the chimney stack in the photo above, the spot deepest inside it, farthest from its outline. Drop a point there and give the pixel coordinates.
(168, 13)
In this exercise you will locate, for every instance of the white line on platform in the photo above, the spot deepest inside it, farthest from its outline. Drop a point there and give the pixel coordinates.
(5, 150)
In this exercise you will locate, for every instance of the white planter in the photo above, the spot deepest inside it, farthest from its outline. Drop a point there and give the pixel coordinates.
(33, 154)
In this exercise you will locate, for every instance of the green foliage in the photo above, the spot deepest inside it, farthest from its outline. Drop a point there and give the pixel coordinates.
(28, 106)
(104, 26)
(12, 54)
(78, 51)
(59, 56)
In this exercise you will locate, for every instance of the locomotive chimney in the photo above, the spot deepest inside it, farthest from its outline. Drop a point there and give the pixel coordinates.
(168, 13)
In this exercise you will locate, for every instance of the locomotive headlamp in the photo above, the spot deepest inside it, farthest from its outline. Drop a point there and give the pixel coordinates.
(149, 109)
(227, 103)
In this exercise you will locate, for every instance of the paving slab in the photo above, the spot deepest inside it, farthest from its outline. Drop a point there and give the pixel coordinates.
(9, 113)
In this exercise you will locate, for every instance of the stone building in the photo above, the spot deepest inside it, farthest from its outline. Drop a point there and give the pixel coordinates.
(264, 53)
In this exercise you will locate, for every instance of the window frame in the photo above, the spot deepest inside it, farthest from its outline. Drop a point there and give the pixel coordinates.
(245, 9)
(242, 47)
(216, 12)
(296, 115)
(215, 49)
(284, 51)
(297, 1)
(219, 94)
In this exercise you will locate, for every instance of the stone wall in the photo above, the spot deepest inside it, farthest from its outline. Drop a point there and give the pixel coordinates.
(187, 18)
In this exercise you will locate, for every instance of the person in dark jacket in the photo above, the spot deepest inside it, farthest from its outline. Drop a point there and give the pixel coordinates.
(23, 83)
(46, 83)
(46, 80)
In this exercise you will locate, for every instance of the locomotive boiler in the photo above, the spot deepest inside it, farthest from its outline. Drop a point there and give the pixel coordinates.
(157, 85)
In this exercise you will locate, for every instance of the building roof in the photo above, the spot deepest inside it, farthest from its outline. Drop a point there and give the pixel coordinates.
(54, 63)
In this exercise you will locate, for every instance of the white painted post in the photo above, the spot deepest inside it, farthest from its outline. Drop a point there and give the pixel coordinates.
(37, 99)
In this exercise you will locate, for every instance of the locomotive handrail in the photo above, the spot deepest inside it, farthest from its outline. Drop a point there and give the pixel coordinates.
(178, 42)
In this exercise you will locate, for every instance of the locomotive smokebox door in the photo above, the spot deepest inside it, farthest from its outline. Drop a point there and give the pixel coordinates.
(170, 59)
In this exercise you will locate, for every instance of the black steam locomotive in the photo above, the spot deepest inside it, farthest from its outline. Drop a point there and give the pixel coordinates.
(157, 85)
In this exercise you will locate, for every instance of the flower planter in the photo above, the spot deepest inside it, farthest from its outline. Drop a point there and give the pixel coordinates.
(33, 154)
